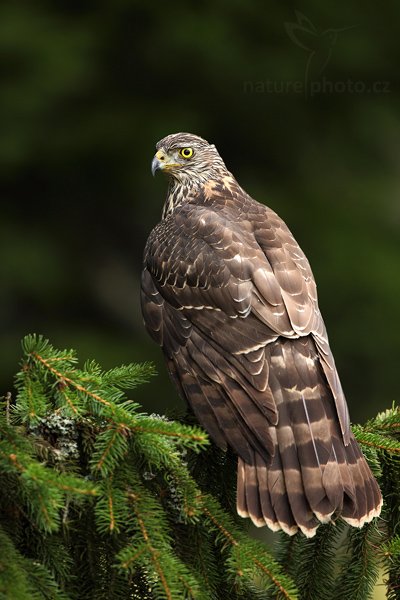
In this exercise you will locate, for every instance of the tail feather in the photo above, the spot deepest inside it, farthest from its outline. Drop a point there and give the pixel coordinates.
(253, 499)
(279, 497)
(267, 509)
(313, 476)
(368, 500)
(374, 497)
(295, 477)
(339, 449)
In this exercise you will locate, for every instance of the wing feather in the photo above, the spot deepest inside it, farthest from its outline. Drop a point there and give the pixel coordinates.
(231, 298)
(221, 283)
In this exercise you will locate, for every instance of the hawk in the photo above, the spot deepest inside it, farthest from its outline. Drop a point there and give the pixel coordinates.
(230, 297)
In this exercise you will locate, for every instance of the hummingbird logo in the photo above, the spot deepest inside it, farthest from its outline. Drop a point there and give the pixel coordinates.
(318, 44)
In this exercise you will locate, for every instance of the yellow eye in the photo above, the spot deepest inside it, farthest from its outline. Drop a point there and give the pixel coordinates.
(186, 152)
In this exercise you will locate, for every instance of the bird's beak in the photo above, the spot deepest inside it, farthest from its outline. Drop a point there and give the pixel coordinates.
(155, 165)
(162, 162)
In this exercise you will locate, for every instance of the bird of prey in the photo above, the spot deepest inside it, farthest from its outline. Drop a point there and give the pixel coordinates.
(230, 297)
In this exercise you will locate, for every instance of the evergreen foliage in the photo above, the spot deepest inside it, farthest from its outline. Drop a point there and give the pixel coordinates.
(101, 501)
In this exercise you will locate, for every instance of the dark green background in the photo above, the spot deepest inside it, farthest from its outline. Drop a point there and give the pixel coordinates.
(87, 88)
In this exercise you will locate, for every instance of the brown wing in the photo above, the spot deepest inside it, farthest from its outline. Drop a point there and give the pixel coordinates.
(221, 282)
(299, 295)
(230, 297)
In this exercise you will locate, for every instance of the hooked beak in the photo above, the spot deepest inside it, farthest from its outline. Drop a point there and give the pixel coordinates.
(161, 162)
(155, 165)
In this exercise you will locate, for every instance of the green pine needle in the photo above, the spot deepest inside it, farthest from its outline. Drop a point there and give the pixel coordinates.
(100, 500)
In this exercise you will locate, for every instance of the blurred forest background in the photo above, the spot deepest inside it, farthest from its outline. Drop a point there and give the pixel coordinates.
(302, 101)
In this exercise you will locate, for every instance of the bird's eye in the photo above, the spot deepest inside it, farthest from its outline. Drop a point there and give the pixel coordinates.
(186, 152)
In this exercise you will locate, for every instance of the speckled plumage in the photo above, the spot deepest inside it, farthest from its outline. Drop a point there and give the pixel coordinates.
(230, 297)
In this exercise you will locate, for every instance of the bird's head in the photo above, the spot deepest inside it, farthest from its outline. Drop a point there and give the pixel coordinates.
(184, 156)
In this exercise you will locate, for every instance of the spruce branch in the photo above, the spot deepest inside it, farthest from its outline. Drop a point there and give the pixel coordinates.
(22, 578)
(116, 503)
(387, 421)
(391, 552)
(154, 553)
(360, 565)
(248, 557)
(315, 577)
(376, 440)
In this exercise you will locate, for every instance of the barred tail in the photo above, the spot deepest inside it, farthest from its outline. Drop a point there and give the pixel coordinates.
(313, 476)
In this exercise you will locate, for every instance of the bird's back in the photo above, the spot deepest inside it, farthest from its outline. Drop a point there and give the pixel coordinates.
(231, 299)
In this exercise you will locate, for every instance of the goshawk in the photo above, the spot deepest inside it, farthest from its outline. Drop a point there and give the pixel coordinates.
(230, 297)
